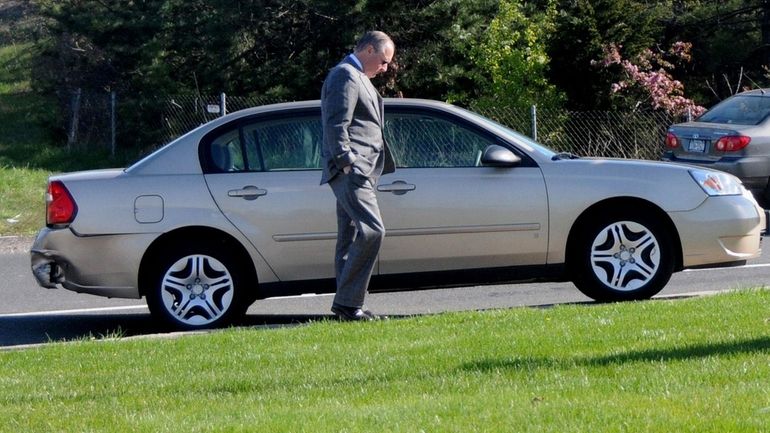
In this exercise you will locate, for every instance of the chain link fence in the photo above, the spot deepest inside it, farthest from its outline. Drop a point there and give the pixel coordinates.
(95, 120)
(611, 134)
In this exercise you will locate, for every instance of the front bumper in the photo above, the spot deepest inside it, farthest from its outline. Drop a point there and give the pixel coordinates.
(99, 265)
(735, 224)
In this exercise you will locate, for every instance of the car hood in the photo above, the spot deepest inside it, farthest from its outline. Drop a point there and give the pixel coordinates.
(669, 185)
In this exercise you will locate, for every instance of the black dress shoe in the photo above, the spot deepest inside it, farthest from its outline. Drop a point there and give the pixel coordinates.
(351, 314)
(375, 316)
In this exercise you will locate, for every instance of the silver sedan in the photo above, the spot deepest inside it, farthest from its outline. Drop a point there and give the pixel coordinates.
(233, 212)
(733, 136)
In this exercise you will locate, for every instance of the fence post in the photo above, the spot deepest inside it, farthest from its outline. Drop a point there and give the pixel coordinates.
(113, 121)
(533, 117)
(222, 104)
(72, 135)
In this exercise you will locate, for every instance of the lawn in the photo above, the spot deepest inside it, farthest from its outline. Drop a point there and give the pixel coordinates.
(698, 365)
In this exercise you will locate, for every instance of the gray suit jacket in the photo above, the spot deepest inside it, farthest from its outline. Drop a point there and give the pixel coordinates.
(352, 118)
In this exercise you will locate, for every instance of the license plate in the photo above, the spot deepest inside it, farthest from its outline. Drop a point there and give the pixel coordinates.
(697, 146)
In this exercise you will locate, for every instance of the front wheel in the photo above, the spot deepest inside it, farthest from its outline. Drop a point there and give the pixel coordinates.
(623, 257)
(195, 288)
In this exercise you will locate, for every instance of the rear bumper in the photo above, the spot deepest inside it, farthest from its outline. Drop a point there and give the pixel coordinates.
(738, 227)
(100, 265)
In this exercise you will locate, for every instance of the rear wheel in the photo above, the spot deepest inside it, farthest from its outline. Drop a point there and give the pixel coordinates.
(623, 257)
(197, 287)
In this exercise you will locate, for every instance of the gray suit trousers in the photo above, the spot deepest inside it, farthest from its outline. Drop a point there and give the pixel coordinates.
(359, 235)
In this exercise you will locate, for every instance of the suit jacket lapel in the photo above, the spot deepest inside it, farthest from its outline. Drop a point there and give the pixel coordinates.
(374, 95)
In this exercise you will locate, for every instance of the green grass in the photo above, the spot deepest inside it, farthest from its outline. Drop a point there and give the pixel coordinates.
(15, 63)
(699, 365)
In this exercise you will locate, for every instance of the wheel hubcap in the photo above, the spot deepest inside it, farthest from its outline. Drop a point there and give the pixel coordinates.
(197, 290)
(625, 256)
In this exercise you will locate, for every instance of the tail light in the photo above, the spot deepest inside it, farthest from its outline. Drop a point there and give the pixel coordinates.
(731, 143)
(672, 141)
(60, 206)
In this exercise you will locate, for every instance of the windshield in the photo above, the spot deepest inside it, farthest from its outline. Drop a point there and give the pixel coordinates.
(521, 139)
(739, 110)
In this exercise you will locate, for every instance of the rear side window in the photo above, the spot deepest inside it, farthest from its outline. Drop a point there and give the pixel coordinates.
(226, 152)
(739, 110)
(264, 144)
(286, 144)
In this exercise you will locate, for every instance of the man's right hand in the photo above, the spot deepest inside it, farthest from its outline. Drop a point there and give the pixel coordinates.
(347, 169)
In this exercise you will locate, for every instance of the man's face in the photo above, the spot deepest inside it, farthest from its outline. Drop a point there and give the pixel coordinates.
(375, 62)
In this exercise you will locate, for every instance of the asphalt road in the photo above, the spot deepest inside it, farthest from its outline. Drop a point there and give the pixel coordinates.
(30, 314)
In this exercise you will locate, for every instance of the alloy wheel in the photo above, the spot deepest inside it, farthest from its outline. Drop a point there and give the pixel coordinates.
(625, 255)
(197, 290)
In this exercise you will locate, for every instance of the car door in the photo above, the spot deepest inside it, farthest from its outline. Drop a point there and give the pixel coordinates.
(264, 175)
(443, 210)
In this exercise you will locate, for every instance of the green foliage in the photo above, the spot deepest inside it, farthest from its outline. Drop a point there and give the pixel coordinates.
(481, 52)
(582, 28)
(731, 45)
(511, 57)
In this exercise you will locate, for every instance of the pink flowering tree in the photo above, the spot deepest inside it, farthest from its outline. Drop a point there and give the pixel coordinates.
(648, 79)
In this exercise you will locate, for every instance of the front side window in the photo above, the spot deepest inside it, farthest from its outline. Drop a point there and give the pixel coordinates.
(425, 141)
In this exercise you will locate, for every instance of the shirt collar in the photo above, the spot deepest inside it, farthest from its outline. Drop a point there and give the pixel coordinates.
(357, 62)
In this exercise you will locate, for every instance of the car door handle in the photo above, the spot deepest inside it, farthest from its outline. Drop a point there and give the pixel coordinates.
(398, 187)
(249, 192)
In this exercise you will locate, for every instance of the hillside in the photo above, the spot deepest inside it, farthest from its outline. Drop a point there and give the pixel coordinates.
(18, 22)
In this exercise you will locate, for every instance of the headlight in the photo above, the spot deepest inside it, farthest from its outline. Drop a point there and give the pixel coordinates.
(717, 183)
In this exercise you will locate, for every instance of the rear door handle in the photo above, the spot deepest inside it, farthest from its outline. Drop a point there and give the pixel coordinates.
(249, 192)
(398, 187)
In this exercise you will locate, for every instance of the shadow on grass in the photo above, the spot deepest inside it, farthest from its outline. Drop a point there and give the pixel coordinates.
(28, 330)
(685, 353)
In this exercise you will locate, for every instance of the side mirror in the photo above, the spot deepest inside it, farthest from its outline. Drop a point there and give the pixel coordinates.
(498, 156)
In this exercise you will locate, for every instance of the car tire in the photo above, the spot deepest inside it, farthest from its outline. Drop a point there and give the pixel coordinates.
(622, 257)
(197, 287)
(763, 198)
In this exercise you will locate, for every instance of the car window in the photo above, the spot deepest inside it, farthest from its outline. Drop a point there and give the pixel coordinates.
(739, 110)
(227, 152)
(273, 144)
(285, 144)
(420, 140)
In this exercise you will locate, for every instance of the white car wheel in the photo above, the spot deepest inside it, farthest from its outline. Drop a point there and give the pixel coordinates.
(197, 287)
(197, 290)
(623, 257)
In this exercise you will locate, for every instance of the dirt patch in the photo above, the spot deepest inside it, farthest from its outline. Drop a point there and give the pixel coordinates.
(15, 244)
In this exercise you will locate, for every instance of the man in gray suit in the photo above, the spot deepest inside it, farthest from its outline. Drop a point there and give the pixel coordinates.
(354, 156)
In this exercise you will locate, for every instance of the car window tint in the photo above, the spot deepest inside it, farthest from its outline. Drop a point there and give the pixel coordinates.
(739, 110)
(284, 144)
(419, 140)
(226, 152)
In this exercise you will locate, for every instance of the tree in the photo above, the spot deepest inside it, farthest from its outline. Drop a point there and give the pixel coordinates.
(731, 45)
(582, 28)
(647, 81)
(511, 59)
